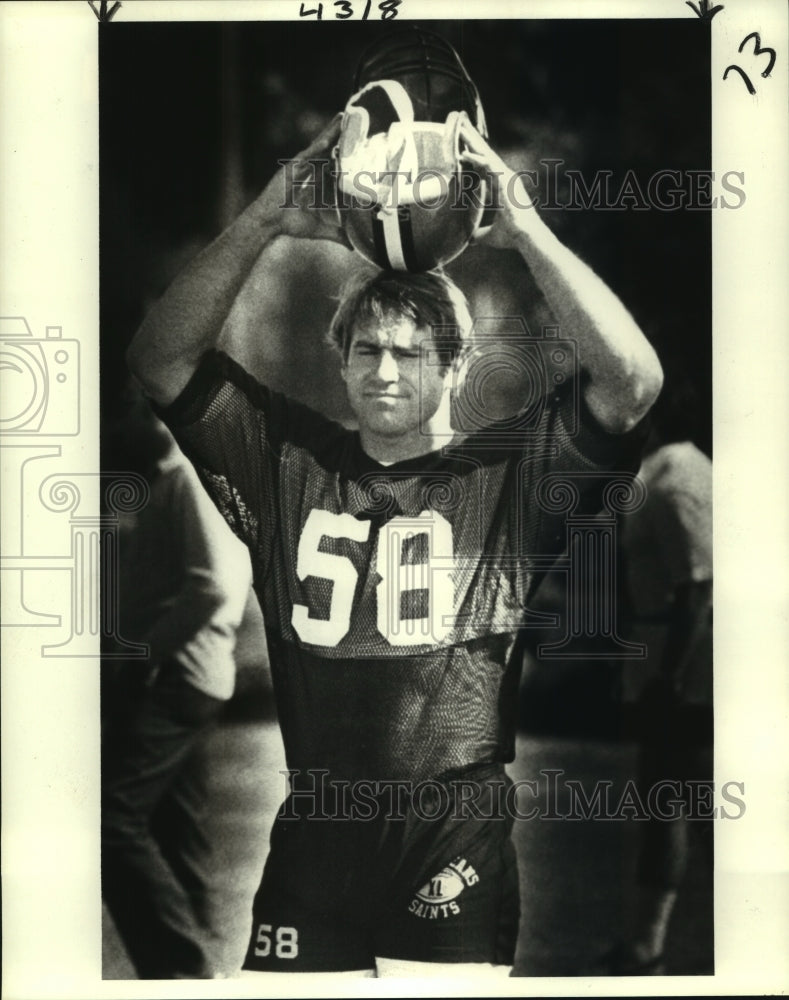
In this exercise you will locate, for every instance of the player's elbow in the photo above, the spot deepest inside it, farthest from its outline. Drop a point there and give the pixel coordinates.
(621, 401)
(648, 380)
(162, 377)
(645, 383)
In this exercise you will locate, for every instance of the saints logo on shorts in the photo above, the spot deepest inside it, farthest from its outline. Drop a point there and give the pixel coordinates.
(437, 896)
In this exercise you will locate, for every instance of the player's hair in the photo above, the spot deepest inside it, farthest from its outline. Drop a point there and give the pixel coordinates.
(430, 299)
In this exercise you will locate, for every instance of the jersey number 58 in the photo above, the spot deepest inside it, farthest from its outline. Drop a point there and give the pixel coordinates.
(395, 579)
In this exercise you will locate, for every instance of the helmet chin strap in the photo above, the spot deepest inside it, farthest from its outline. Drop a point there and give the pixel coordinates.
(377, 144)
(391, 161)
(405, 199)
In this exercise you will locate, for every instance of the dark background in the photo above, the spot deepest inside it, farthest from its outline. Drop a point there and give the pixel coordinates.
(194, 117)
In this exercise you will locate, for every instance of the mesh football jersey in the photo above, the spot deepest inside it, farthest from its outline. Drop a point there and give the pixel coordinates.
(394, 597)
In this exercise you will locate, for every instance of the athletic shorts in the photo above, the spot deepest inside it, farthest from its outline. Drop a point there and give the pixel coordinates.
(427, 874)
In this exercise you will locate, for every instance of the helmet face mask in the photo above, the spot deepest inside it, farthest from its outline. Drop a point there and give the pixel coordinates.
(430, 70)
(405, 199)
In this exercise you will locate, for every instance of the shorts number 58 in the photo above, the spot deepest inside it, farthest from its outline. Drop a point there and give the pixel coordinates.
(286, 941)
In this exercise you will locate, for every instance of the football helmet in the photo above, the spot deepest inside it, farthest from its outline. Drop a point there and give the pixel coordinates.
(406, 201)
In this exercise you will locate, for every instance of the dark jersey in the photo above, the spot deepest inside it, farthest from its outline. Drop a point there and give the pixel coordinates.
(394, 596)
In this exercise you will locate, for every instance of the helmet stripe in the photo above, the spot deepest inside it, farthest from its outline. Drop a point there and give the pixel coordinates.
(394, 247)
(407, 238)
(379, 242)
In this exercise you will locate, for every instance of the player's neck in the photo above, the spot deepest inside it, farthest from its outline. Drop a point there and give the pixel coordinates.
(387, 449)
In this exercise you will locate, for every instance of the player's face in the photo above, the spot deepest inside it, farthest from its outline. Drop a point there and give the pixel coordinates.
(391, 389)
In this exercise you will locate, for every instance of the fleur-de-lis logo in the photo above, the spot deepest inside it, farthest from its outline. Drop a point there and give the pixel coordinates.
(104, 14)
(703, 10)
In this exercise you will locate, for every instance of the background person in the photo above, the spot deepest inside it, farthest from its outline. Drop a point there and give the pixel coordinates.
(183, 586)
(666, 558)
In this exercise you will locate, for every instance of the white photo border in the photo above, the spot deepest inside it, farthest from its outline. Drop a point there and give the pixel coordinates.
(49, 167)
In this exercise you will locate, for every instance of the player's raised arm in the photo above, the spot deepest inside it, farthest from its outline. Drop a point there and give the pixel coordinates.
(187, 320)
(624, 374)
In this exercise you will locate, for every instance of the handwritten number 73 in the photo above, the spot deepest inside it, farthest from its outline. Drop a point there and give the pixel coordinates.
(757, 51)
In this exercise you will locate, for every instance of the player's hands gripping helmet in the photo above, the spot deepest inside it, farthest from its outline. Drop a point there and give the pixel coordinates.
(406, 201)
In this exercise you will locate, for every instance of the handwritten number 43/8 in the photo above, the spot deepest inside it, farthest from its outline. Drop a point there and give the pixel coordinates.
(343, 9)
(757, 51)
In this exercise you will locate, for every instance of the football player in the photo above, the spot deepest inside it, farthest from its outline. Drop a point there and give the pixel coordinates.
(394, 566)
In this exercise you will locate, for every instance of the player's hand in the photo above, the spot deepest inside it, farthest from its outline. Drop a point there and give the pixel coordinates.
(304, 193)
(516, 216)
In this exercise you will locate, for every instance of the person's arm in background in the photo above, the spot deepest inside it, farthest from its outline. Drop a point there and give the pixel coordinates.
(681, 527)
(217, 574)
(624, 374)
(688, 626)
(189, 317)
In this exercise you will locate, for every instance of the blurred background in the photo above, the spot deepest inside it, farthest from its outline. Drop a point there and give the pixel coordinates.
(193, 119)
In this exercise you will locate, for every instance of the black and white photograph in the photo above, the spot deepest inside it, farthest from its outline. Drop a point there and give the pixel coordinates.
(392, 514)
